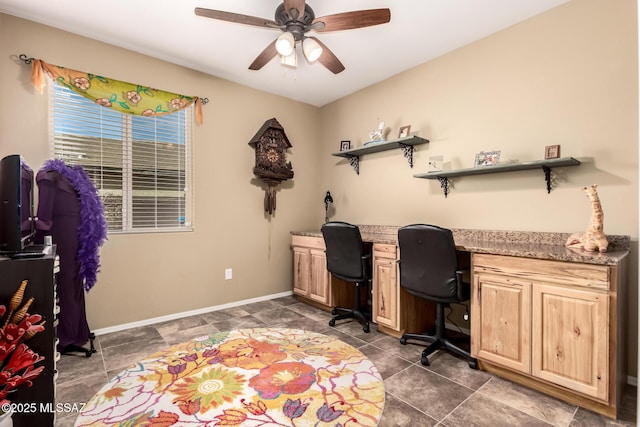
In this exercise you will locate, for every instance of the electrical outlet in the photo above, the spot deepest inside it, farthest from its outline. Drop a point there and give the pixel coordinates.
(228, 274)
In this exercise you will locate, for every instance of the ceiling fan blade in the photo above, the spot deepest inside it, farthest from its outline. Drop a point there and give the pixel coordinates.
(294, 4)
(329, 59)
(265, 56)
(351, 20)
(235, 17)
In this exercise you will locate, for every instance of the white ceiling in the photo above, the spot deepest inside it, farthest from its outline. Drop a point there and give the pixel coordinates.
(419, 31)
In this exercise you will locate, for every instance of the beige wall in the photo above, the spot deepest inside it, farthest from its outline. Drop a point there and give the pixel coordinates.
(567, 76)
(149, 275)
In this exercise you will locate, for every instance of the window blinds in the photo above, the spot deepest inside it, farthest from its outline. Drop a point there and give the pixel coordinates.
(140, 165)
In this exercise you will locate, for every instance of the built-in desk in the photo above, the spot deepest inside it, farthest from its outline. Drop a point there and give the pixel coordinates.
(542, 314)
(549, 246)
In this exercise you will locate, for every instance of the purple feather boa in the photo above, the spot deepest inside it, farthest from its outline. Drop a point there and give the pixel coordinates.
(92, 231)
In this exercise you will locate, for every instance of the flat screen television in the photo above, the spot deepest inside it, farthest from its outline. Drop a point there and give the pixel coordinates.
(17, 224)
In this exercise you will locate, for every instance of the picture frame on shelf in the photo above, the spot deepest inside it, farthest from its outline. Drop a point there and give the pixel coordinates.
(552, 152)
(487, 158)
(404, 131)
(345, 145)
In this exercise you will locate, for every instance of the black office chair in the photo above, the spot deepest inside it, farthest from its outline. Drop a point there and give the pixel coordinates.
(347, 260)
(429, 270)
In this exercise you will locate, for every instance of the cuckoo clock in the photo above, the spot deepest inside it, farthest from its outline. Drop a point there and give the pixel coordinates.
(271, 143)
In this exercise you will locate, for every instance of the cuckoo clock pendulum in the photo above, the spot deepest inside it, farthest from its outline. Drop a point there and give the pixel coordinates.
(270, 144)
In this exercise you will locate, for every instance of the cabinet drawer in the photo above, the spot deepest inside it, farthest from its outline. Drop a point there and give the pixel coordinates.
(558, 272)
(308, 242)
(381, 250)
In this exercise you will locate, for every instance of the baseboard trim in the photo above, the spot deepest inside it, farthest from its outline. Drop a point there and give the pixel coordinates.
(175, 316)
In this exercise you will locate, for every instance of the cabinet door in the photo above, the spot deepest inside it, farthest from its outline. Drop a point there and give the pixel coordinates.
(385, 286)
(570, 347)
(501, 321)
(320, 278)
(301, 270)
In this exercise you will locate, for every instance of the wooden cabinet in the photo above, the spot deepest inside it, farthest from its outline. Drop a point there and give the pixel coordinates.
(301, 270)
(502, 321)
(555, 326)
(320, 278)
(313, 283)
(394, 309)
(386, 289)
(570, 345)
(310, 276)
(556, 323)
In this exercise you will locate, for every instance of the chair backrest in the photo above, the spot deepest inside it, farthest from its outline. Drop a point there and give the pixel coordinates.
(428, 262)
(345, 251)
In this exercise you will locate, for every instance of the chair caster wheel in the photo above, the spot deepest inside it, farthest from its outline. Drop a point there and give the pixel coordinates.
(473, 364)
(403, 341)
(366, 329)
(332, 323)
(334, 311)
(424, 360)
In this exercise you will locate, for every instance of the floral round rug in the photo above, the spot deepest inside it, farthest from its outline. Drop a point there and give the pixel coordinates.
(246, 377)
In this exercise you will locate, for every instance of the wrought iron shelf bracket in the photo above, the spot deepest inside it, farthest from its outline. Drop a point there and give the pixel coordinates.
(355, 163)
(547, 177)
(406, 144)
(407, 152)
(445, 185)
(547, 165)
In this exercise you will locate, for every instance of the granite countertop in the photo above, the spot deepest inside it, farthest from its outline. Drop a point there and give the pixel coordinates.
(525, 244)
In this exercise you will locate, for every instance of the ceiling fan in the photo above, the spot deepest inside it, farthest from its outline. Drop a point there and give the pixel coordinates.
(295, 18)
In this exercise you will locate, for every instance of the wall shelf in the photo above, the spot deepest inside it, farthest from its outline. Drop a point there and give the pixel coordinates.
(406, 144)
(545, 165)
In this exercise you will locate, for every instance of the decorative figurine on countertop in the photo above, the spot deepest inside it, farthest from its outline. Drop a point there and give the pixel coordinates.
(327, 201)
(271, 143)
(594, 238)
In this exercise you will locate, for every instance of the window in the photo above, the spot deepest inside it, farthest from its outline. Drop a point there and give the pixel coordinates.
(140, 165)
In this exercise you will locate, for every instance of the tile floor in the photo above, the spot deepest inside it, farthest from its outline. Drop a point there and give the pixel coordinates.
(447, 393)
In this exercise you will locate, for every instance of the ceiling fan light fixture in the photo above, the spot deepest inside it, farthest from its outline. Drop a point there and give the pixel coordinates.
(285, 44)
(312, 49)
(295, 18)
(290, 60)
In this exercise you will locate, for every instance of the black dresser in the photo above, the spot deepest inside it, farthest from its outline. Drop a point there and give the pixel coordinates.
(38, 401)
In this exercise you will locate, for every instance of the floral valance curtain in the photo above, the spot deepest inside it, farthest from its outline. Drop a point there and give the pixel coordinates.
(128, 98)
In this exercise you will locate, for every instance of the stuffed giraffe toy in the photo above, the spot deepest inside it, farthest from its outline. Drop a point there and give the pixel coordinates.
(594, 238)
